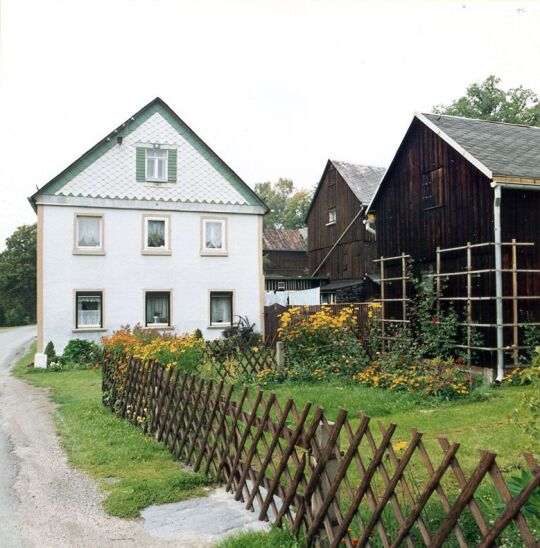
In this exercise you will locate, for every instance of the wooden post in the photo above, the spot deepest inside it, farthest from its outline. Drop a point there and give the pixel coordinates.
(469, 305)
(404, 287)
(515, 328)
(438, 281)
(329, 473)
(382, 305)
(280, 355)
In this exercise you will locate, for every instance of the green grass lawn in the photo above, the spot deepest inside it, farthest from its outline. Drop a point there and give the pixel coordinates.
(475, 424)
(133, 469)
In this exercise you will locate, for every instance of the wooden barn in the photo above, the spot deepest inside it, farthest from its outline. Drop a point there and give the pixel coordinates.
(469, 187)
(285, 260)
(340, 247)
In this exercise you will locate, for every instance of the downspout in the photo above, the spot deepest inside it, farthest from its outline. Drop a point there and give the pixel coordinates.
(498, 281)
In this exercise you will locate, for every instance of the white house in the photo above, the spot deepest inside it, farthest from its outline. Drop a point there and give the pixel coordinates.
(149, 226)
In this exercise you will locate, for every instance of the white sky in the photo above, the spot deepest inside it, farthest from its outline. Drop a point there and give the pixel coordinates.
(274, 87)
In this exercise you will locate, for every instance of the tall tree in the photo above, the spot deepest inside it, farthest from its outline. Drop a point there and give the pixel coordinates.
(18, 277)
(288, 205)
(488, 101)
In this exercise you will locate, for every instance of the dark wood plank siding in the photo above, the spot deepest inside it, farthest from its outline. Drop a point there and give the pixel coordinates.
(285, 263)
(464, 213)
(354, 255)
(465, 205)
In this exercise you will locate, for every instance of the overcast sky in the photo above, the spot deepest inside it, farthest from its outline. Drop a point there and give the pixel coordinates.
(274, 87)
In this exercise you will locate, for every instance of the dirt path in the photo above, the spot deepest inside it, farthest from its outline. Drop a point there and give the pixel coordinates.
(43, 501)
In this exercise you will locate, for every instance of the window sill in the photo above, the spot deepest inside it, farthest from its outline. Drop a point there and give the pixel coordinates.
(160, 327)
(88, 252)
(156, 252)
(214, 253)
(88, 329)
(331, 224)
(157, 181)
(433, 207)
(220, 326)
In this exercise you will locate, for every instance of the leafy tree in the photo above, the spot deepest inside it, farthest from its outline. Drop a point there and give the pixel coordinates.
(18, 277)
(488, 101)
(288, 206)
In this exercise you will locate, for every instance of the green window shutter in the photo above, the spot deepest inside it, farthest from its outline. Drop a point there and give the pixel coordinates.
(140, 170)
(172, 166)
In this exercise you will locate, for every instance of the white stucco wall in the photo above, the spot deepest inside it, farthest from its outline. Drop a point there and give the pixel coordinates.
(124, 273)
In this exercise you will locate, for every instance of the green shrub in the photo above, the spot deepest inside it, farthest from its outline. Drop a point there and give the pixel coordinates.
(50, 352)
(81, 351)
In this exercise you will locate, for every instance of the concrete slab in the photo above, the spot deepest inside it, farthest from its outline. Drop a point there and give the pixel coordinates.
(206, 520)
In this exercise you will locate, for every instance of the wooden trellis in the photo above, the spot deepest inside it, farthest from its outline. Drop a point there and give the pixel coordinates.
(339, 482)
(470, 299)
(399, 295)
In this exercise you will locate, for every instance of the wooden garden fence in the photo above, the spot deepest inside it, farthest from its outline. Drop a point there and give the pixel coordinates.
(343, 482)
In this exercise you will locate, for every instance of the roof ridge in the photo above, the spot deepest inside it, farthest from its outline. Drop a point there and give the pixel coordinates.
(479, 120)
(355, 163)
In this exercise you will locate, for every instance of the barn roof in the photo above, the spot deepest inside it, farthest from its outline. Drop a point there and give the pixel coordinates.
(507, 150)
(499, 150)
(283, 239)
(361, 179)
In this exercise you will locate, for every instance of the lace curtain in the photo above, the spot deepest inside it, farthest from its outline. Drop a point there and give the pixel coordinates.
(157, 308)
(214, 235)
(88, 310)
(156, 234)
(88, 231)
(221, 309)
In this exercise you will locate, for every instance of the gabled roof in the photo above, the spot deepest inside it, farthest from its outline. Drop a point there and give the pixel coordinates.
(497, 149)
(203, 177)
(284, 239)
(361, 179)
(507, 150)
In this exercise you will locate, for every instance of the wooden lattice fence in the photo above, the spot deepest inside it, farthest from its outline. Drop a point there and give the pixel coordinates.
(237, 361)
(343, 482)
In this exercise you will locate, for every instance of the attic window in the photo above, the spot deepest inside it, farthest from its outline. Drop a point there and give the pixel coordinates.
(432, 182)
(332, 216)
(156, 164)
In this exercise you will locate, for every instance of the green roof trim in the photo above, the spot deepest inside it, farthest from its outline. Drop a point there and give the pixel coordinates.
(155, 106)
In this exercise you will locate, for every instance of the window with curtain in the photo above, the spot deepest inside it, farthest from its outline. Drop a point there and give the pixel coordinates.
(156, 164)
(88, 232)
(214, 235)
(89, 309)
(221, 311)
(158, 308)
(156, 233)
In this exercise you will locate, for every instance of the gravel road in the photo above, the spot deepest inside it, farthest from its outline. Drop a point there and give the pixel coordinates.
(44, 502)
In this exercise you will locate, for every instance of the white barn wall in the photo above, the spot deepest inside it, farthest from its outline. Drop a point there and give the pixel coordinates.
(123, 273)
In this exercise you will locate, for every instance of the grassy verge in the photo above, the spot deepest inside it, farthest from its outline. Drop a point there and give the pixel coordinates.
(276, 538)
(133, 469)
(483, 424)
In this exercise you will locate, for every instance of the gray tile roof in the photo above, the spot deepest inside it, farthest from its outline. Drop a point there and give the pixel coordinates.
(506, 149)
(362, 180)
(283, 239)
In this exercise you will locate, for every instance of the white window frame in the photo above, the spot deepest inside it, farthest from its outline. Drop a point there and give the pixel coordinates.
(219, 325)
(166, 249)
(166, 170)
(210, 251)
(88, 250)
(76, 327)
(159, 325)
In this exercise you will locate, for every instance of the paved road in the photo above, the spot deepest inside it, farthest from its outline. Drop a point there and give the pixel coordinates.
(13, 342)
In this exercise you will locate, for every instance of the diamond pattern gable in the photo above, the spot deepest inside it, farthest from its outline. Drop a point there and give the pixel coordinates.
(113, 174)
